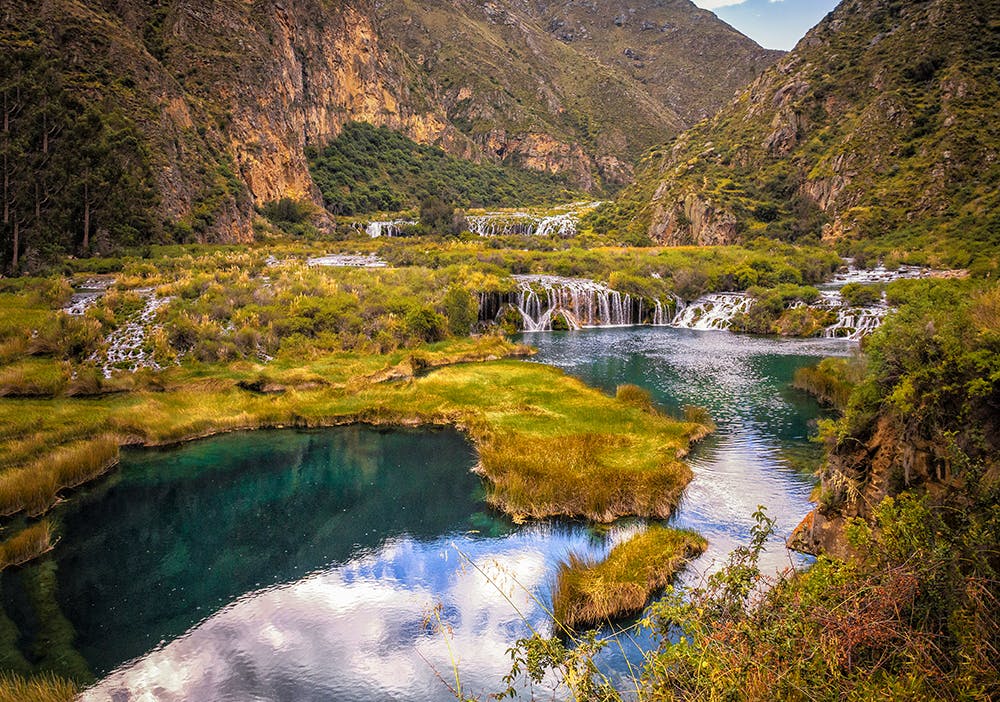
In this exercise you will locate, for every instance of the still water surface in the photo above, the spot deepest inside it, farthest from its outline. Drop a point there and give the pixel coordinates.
(340, 564)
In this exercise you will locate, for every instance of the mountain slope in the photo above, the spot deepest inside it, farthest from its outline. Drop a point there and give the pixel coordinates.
(205, 110)
(880, 125)
(583, 87)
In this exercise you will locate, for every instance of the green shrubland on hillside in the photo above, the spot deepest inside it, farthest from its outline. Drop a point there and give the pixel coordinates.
(877, 131)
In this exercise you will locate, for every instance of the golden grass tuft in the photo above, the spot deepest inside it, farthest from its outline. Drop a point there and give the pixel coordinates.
(26, 545)
(635, 396)
(41, 688)
(33, 377)
(589, 593)
(34, 488)
(579, 475)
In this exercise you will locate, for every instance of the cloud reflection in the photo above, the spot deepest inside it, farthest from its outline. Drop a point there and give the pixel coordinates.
(365, 630)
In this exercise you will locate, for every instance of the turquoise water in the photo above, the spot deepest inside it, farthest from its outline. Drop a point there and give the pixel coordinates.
(347, 564)
(761, 453)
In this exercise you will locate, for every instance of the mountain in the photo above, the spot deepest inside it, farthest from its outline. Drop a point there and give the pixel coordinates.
(879, 127)
(132, 120)
(579, 87)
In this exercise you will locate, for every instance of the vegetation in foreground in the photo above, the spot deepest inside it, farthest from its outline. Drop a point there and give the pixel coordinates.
(914, 612)
(589, 593)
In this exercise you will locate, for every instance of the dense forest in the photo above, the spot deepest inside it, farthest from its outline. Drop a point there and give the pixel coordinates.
(76, 176)
(374, 169)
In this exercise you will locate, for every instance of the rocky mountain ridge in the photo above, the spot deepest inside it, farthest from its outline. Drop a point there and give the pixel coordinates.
(225, 97)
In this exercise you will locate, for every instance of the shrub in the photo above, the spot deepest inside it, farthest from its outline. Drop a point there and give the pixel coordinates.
(425, 324)
(461, 308)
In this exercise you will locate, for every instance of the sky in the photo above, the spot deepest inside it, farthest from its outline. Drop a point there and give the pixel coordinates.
(775, 24)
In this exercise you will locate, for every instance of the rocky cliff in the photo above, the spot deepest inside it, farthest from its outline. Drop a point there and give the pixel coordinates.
(877, 126)
(225, 97)
(925, 419)
(577, 87)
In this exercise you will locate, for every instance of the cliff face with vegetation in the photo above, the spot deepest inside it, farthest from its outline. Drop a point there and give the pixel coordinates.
(879, 125)
(205, 110)
(575, 87)
(924, 417)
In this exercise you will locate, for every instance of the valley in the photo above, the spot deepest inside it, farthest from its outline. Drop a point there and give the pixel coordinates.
(512, 350)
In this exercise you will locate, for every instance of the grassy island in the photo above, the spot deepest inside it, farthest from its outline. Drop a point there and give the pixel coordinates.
(590, 593)
(185, 342)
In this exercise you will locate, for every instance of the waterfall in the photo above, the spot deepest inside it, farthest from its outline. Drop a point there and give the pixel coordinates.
(563, 224)
(855, 323)
(714, 311)
(503, 224)
(852, 322)
(345, 260)
(542, 299)
(125, 347)
(389, 228)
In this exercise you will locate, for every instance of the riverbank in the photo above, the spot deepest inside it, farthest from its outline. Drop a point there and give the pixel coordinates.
(548, 443)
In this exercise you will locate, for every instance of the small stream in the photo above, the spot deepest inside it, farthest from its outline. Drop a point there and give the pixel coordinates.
(360, 564)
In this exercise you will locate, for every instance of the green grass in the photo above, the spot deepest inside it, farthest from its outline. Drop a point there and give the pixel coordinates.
(588, 593)
(549, 444)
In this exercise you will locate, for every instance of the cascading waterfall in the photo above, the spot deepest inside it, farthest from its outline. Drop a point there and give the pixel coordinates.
(504, 224)
(853, 322)
(715, 311)
(389, 228)
(564, 224)
(541, 300)
(718, 311)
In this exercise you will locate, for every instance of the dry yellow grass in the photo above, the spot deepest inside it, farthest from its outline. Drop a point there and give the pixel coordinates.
(26, 544)
(549, 444)
(33, 488)
(41, 688)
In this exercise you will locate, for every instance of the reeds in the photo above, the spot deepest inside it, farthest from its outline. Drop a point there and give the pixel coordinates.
(34, 488)
(42, 688)
(830, 381)
(582, 475)
(588, 593)
(26, 545)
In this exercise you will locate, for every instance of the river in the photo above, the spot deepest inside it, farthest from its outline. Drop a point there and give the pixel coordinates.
(362, 564)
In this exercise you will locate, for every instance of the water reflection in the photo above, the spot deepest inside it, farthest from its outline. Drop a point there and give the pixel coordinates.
(328, 565)
(744, 382)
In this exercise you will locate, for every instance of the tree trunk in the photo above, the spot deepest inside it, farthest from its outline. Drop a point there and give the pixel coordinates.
(17, 247)
(86, 216)
(6, 189)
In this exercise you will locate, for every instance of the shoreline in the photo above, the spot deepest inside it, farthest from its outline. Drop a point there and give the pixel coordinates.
(493, 402)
